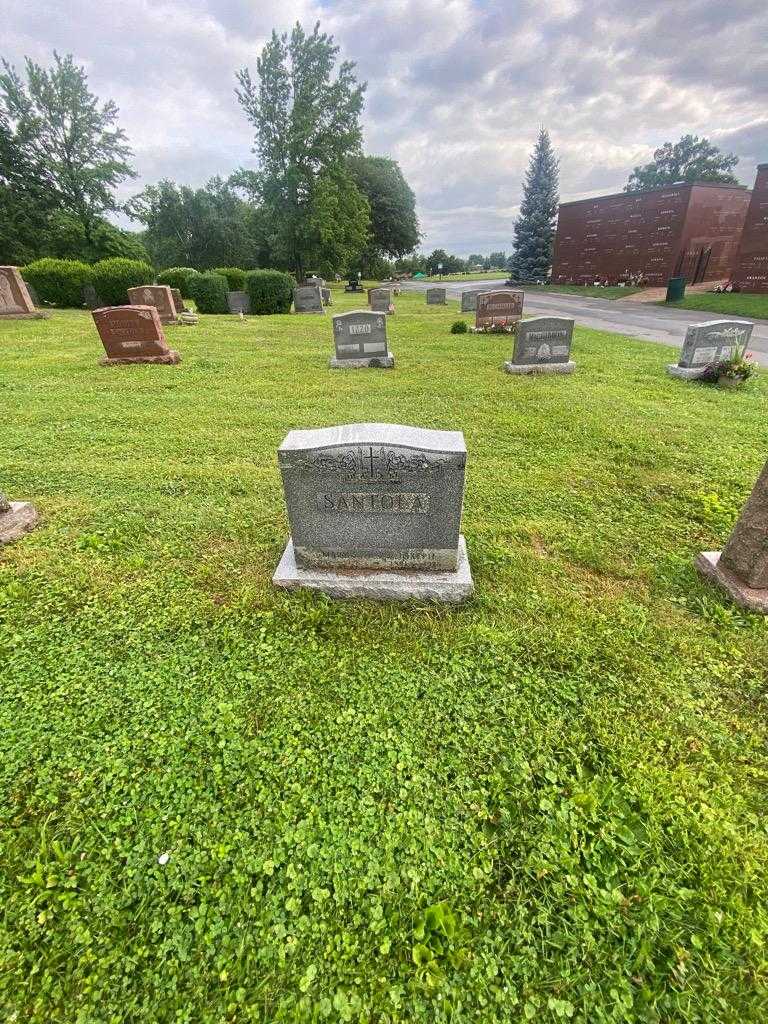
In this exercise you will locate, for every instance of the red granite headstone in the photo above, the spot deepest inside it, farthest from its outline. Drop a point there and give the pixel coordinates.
(15, 300)
(498, 308)
(177, 300)
(158, 295)
(132, 334)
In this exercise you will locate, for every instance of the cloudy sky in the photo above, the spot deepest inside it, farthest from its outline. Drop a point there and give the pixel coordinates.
(456, 88)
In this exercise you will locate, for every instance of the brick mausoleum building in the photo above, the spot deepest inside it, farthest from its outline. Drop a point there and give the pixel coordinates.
(691, 230)
(751, 272)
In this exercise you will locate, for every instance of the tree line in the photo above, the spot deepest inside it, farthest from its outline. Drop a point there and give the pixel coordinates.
(316, 201)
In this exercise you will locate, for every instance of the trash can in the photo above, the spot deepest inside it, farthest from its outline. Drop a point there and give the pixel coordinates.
(675, 289)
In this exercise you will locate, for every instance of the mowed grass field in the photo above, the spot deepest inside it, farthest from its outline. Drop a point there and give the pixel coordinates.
(739, 304)
(220, 802)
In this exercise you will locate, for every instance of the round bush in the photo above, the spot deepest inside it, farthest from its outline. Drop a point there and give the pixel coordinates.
(58, 282)
(235, 277)
(271, 291)
(459, 327)
(209, 291)
(178, 277)
(112, 279)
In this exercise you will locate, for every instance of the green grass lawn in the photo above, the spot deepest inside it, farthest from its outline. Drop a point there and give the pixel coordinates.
(730, 304)
(224, 803)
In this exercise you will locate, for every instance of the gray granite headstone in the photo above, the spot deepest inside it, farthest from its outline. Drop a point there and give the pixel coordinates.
(239, 302)
(16, 519)
(436, 296)
(360, 339)
(90, 299)
(709, 342)
(375, 511)
(542, 345)
(742, 567)
(308, 298)
(380, 300)
(326, 296)
(469, 301)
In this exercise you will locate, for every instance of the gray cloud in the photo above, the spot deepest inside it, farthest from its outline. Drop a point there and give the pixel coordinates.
(457, 88)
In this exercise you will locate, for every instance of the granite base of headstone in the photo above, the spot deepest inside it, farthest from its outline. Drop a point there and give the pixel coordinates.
(375, 512)
(133, 334)
(707, 343)
(15, 301)
(239, 302)
(542, 345)
(360, 340)
(741, 569)
(16, 519)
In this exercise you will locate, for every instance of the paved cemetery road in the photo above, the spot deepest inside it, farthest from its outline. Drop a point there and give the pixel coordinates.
(636, 319)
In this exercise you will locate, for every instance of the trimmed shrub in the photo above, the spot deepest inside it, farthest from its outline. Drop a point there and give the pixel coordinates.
(178, 277)
(209, 291)
(459, 327)
(58, 282)
(112, 279)
(235, 277)
(271, 291)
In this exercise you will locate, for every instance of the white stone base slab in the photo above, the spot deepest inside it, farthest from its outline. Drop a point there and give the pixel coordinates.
(375, 362)
(378, 585)
(685, 372)
(22, 518)
(539, 367)
(708, 564)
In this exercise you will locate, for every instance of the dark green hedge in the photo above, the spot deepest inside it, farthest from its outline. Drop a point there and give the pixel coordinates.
(271, 291)
(235, 277)
(178, 277)
(58, 282)
(209, 291)
(112, 279)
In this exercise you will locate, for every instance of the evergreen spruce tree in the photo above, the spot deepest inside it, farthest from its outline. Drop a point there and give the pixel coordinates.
(535, 227)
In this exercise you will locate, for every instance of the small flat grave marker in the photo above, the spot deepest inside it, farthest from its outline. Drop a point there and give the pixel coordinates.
(16, 519)
(133, 334)
(158, 295)
(375, 511)
(542, 345)
(360, 339)
(707, 343)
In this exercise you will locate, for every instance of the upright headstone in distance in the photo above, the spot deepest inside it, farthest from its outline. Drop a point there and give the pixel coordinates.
(326, 294)
(375, 511)
(742, 567)
(16, 519)
(178, 301)
(360, 338)
(157, 295)
(239, 302)
(498, 308)
(436, 296)
(469, 301)
(353, 284)
(307, 298)
(380, 300)
(542, 345)
(15, 300)
(133, 334)
(90, 298)
(707, 343)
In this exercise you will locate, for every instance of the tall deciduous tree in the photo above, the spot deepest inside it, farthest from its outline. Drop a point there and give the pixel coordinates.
(56, 124)
(306, 114)
(690, 159)
(535, 227)
(394, 224)
(201, 228)
(26, 200)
